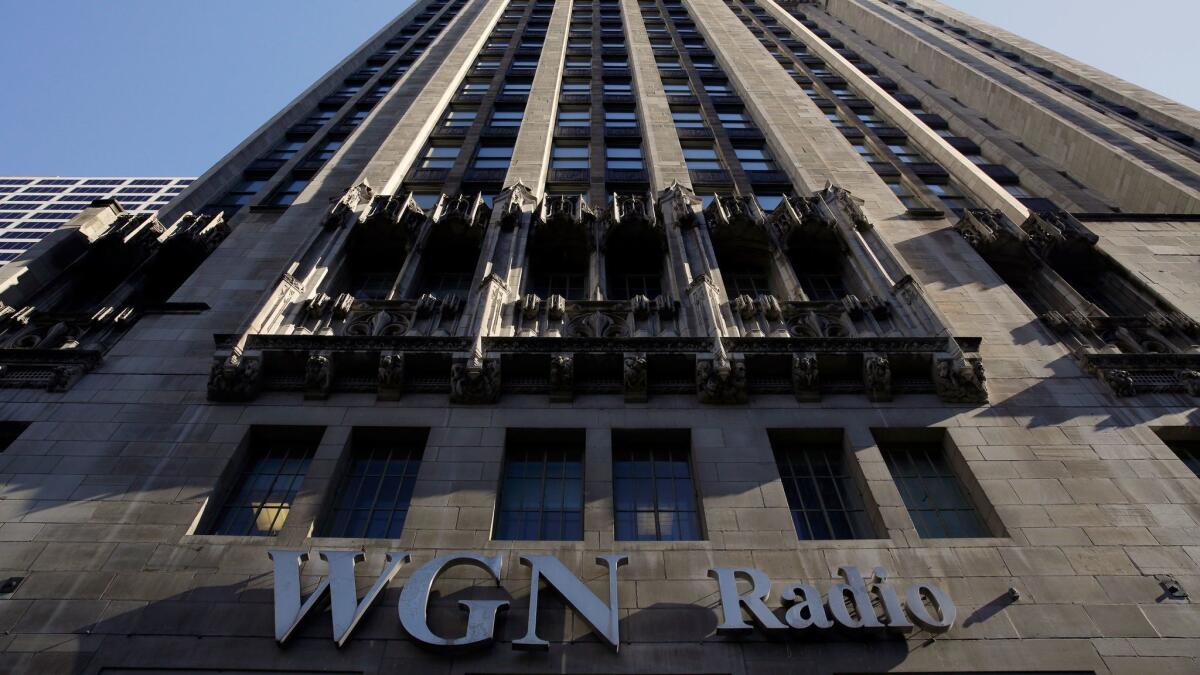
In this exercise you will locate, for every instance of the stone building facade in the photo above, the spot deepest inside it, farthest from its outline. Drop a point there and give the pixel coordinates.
(626, 336)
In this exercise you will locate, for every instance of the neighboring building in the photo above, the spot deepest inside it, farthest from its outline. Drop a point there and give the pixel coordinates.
(32, 206)
(743, 292)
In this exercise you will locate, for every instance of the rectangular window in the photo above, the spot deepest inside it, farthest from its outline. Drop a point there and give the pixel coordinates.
(618, 88)
(677, 88)
(576, 87)
(376, 489)
(574, 118)
(755, 158)
(517, 87)
(459, 118)
(1184, 443)
(474, 87)
(569, 157)
(439, 156)
(541, 490)
(287, 193)
(626, 119)
(931, 491)
(493, 157)
(746, 284)
(270, 477)
(507, 118)
(824, 500)
(701, 158)
(734, 120)
(626, 158)
(687, 119)
(653, 495)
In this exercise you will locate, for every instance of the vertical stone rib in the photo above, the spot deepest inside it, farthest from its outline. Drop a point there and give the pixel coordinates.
(531, 154)
(660, 144)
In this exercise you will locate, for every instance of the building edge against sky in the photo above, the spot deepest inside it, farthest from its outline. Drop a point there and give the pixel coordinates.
(840, 336)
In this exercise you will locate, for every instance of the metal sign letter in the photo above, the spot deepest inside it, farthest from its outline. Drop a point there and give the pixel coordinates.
(481, 614)
(603, 620)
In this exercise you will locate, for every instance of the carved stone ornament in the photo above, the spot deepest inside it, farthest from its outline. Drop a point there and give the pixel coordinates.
(318, 375)
(235, 377)
(721, 379)
(343, 208)
(806, 377)
(530, 306)
(63, 377)
(562, 377)
(1120, 381)
(475, 380)
(877, 377)
(1190, 379)
(850, 206)
(636, 379)
(512, 205)
(959, 379)
(391, 375)
(683, 204)
(981, 227)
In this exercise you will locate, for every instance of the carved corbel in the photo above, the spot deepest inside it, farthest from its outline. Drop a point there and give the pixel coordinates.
(475, 379)
(512, 208)
(840, 199)
(562, 377)
(1120, 381)
(981, 227)
(635, 378)
(64, 377)
(391, 376)
(314, 307)
(343, 208)
(806, 377)
(318, 375)
(877, 377)
(959, 379)
(682, 204)
(235, 376)
(720, 378)
(1190, 379)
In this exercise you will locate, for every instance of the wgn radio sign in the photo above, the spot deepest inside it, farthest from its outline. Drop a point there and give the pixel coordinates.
(855, 603)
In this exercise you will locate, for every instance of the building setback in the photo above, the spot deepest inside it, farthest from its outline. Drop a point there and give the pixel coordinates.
(33, 206)
(834, 337)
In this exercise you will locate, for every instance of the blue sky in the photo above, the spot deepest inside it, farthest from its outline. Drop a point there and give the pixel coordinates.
(166, 87)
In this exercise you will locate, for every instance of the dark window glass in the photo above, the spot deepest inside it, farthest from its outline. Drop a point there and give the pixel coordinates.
(654, 499)
(1188, 452)
(823, 498)
(373, 497)
(932, 493)
(541, 493)
(259, 503)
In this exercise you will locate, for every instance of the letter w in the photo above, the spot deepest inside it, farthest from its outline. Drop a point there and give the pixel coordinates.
(343, 594)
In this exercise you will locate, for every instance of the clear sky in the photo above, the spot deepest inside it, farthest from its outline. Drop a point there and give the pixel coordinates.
(166, 87)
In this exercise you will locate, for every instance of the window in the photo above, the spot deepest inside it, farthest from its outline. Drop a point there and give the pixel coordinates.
(1185, 446)
(569, 157)
(718, 89)
(753, 285)
(286, 193)
(614, 62)
(822, 496)
(439, 156)
(261, 498)
(755, 158)
(459, 118)
(373, 496)
(950, 196)
(677, 88)
(493, 157)
(687, 119)
(905, 152)
(517, 87)
(574, 118)
(285, 151)
(653, 495)
(734, 119)
(356, 118)
(620, 118)
(326, 150)
(474, 87)
(507, 117)
(628, 158)
(9, 431)
(618, 87)
(541, 490)
(702, 158)
(626, 286)
(903, 193)
(931, 492)
(576, 87)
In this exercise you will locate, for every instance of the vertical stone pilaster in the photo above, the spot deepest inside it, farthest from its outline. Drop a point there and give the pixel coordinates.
(531, 154)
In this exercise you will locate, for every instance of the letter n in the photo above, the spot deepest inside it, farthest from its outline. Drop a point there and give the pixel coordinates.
(604, 620)
(347, 610)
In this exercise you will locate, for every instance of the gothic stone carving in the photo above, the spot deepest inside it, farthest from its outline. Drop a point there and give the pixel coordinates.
(806, 377)
(391, 375)
(475, 380)
(959, 379)
(235, 377)
(318, 375)
(636, 379)
(1120, 381)
(721, 379)
(562, 377)
(343, 208)
(1190, 379)
(877, 377)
